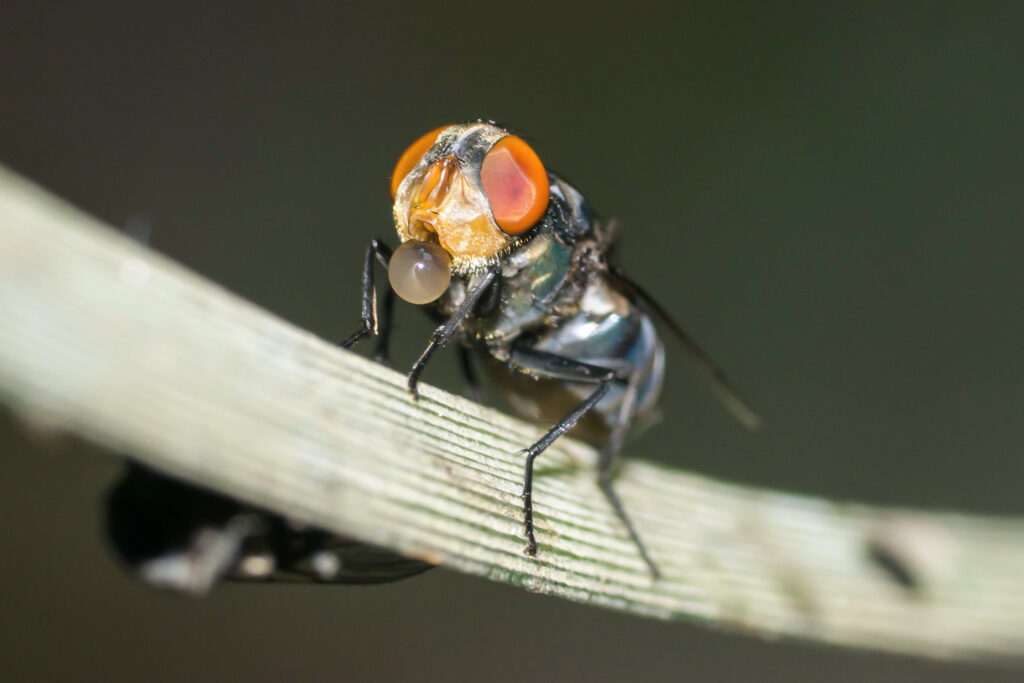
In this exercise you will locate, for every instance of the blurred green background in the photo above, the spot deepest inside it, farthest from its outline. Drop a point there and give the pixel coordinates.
(828, 198)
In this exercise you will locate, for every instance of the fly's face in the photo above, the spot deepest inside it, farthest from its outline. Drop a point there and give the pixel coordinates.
(463, 195)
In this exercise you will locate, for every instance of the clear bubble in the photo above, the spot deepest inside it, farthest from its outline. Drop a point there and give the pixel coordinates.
(420, 271)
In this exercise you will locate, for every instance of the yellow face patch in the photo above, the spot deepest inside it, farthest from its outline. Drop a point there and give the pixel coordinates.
(440, 203)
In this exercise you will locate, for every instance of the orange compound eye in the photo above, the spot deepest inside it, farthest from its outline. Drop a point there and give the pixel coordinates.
(411, 156)
(516, 185)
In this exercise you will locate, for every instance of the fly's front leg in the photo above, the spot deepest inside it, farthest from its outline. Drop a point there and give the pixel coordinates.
(372, 324)
(444, 333)
(384, 327)
(551, 366)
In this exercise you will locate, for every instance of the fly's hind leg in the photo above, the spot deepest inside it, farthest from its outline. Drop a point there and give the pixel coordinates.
(604, 465)
(372, 323)
(556, 367)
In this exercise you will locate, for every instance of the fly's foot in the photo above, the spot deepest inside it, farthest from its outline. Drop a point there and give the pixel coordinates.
(358, 336)
(380, 355)
(414, 374)
(531, 540)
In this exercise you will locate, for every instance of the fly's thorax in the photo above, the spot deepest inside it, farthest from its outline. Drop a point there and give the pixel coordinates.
(538, 284)
(599, 300)
(542, 278)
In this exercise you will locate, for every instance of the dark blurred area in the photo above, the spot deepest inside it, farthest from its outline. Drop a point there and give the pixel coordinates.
(829, 199)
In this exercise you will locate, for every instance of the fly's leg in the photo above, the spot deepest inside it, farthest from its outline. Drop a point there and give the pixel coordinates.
(473, 388)
(372, 324)
(556, 367)
(445, 331)
(567, 423)
(604, 464)
(384, 328)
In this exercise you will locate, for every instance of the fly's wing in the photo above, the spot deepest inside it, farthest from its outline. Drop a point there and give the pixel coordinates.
(723, 389)
(314, 556)
(187, 539)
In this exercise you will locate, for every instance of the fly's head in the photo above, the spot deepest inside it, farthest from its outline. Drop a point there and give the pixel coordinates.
(463, 196)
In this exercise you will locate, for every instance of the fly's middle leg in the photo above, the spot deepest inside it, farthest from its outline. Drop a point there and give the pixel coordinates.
(474, 390)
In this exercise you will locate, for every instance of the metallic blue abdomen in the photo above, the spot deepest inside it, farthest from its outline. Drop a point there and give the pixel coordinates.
(608, 331)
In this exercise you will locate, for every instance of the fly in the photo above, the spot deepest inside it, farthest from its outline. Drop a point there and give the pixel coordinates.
(510, 261)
